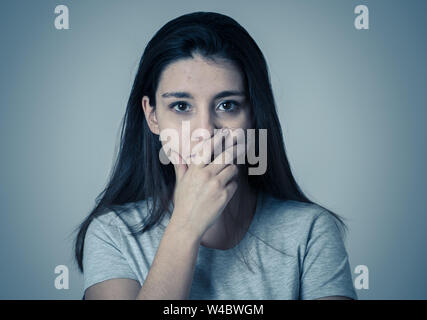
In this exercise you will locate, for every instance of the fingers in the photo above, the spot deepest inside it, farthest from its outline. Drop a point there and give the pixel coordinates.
(234, 138)
(227, 158)
(227, 175)
(235, 148)
(214, 146)
(180, 165)
(231, 188)
(203, 151)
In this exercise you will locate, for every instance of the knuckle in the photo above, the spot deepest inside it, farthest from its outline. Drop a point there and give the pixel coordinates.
(223, 196)
(233, 186)
(216, 183)
(232, 169)
(205, 175)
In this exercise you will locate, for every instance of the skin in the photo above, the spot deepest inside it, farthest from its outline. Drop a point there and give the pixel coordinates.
(203, 79)
(202, 208)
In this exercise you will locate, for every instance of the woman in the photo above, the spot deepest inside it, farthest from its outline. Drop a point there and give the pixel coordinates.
(204, 70)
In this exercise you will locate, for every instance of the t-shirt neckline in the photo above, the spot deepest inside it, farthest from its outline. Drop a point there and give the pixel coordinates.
(245, 239)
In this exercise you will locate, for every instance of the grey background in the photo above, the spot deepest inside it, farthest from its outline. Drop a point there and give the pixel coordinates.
(352, 104)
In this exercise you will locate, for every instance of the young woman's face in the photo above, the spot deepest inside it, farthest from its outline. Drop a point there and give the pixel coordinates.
(204, 94)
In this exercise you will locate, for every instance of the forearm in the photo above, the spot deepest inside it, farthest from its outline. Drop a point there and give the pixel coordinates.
(171, 273)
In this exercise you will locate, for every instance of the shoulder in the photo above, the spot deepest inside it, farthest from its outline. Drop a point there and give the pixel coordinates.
(296, 221)
(289, 213)
(121, 217)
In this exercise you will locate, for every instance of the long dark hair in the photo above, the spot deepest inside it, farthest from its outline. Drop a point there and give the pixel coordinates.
(138, 174)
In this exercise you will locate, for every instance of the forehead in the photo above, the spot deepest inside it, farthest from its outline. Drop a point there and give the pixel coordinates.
(201, 76)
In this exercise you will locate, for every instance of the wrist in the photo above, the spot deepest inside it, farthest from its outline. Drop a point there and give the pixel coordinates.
(184, 229)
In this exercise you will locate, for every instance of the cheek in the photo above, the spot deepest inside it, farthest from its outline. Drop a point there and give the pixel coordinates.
(177, 139)
(241, 120)
(170, 134)
(167, 120)
(164, 118)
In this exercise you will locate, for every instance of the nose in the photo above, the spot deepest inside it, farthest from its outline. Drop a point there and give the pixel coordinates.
(204, 121)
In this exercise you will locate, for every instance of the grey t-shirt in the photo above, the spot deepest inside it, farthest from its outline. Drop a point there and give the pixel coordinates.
(294, 249)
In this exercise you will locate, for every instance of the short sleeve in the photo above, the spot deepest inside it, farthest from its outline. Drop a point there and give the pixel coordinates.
(326, 269)
(102, 256)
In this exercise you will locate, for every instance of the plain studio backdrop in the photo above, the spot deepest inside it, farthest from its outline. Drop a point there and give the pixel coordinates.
(352, 104)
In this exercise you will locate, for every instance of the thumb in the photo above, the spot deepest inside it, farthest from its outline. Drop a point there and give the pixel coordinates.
(180, 165)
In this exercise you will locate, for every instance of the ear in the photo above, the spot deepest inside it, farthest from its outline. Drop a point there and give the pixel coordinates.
(150, 115)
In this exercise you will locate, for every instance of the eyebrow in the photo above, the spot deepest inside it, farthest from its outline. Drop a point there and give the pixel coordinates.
(222, 94)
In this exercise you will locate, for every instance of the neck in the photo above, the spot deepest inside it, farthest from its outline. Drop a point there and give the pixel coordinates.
(235, 220)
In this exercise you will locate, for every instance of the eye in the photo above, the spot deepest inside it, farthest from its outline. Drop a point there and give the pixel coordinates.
(228, 106)
(180, 106)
